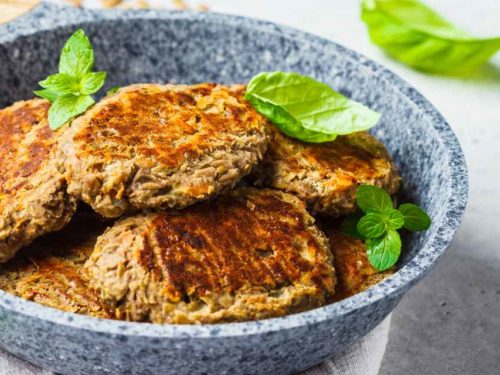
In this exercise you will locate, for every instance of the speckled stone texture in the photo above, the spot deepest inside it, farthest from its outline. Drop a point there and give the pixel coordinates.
(154, 46)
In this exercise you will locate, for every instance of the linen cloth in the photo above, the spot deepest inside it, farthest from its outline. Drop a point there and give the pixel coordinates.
(361, 358)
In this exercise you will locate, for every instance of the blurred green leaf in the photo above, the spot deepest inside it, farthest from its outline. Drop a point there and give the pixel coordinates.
(414, 34)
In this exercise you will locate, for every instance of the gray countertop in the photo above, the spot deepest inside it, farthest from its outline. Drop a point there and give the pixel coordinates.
(450, 323)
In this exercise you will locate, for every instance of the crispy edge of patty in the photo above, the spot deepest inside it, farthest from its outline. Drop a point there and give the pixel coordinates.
(34, 196)
(354, 272)
(248, 254)
(174, 177)
(326, 175)
(50, 270)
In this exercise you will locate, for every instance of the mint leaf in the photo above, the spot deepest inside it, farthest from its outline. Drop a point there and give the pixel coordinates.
(306, 109)
(414, 34)
(60, 84)
(46, 94)
(395, 219)
(415, 219)
(372, 225)
(113, 90)
(77, 55)
(384, 252)
(375, 224)
(67, 107)
(349, 226)
(92, 82)
(373, 199)
(70, 89)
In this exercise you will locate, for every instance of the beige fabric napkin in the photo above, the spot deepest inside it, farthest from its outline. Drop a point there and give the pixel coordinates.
(361, 358)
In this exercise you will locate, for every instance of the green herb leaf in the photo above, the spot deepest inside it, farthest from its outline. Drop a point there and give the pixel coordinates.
(70, 89)
(349, 225)
(306, 109)
(384, 252)
(77, 55)
(61, 84)
(372, 225)
(395, 219)
(414, 34)
(113, 90)
(287, 124)
(67, 107)
(92, 82)
(373, 199)
(415, 219)
(46, 94)
(378, 227)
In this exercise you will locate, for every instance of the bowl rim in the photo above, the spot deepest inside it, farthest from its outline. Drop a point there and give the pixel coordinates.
(392, 287)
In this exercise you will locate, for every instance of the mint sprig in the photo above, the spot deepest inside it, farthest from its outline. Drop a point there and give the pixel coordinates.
(379, 225)
(70, 91)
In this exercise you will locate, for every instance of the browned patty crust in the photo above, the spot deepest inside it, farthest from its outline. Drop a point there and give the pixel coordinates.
(33, 198)
(49, 271)
(155, 145)
(248, 254)
(326, 175)
(352, 267)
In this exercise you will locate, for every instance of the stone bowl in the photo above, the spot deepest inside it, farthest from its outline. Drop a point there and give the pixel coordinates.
(161, 46)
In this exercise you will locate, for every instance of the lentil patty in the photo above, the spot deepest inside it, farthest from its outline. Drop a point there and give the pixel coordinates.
(49, 271)
(33, 198)
(353, 269)
(248, 254)
(326, 175)
(151, 146)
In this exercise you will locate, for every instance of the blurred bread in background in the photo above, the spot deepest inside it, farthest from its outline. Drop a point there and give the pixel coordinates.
(10, 9)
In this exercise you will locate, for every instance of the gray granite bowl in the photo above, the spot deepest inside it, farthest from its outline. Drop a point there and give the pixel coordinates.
(185, 47)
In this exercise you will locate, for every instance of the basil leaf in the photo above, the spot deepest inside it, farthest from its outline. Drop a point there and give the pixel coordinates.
(60, 84)
(92, 82)
(372, 225)
(46, 94)
(287, 124)
(349, 225)
(414, 34)
(373, 199)
(306, 109)
(384, 252)
(415, 219)
(67, 107)
(77, 55)
(395, 219)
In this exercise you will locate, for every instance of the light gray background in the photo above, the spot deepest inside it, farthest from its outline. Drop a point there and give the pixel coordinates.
(450, 323)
